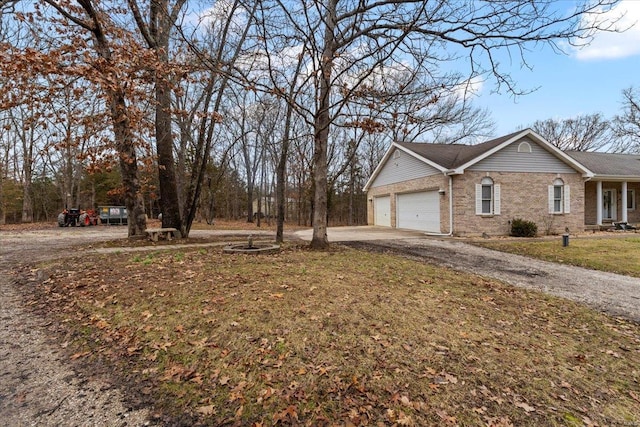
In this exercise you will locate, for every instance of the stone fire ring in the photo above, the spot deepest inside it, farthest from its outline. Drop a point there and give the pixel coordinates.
(255, 249)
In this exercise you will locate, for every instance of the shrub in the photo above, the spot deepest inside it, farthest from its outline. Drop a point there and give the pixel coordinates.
(523, 228)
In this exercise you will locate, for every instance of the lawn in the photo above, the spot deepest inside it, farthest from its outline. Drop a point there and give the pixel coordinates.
(342, 337)
(617, 255)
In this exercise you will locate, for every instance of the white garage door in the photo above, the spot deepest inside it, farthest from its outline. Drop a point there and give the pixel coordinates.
(382, 211)
(419, 211)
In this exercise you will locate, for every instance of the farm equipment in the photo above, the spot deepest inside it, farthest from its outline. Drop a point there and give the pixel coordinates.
(76, 217)
(113, 215)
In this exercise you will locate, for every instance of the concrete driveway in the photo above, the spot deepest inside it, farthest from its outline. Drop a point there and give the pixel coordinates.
(614, 294)
(361, 233)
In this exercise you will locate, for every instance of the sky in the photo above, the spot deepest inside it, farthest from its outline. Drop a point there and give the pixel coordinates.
(585, 81)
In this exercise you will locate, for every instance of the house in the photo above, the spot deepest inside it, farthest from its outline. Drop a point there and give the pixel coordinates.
(454, 189)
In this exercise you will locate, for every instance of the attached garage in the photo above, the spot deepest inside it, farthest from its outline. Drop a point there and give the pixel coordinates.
(419, 211)
(382, 211)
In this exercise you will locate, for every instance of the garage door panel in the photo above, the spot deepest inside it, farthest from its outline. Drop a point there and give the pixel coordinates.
(382, 211)
(419, 211)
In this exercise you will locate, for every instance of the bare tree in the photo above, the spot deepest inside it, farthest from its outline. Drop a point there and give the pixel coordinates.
(587, 132)
(349, 41)
(627, 125)
(161, 16)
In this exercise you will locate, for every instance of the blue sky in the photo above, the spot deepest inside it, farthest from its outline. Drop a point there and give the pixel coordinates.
(585, 81)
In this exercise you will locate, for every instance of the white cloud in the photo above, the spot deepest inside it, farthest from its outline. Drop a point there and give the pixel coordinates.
(215, 16)
(469, 88)
(612, 45)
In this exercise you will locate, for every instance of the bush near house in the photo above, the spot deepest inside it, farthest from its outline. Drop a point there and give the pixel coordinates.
(523, 228)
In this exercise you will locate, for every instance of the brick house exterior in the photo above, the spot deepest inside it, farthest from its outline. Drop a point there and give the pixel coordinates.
(471, 190)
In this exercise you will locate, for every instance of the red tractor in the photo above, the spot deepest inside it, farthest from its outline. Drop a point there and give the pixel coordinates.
(76, 217)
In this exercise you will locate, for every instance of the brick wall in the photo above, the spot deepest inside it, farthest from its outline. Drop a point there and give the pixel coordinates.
(523, 195)
(429, 183)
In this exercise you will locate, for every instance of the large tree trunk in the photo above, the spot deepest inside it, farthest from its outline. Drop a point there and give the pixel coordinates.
(321, 134)
(169, 200)
(125, 146)
(27, 200)
(281, 177)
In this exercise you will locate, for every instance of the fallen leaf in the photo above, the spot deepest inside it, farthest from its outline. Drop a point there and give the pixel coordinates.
(405, 401)
(451, 378)
(206, 410)
(524, 406)
(79, 355)
(102, 324)
(290, 413)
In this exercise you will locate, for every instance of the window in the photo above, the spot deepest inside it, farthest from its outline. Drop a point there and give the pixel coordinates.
(559, 197)
(524, 147)
(631, 200)
(487, 197)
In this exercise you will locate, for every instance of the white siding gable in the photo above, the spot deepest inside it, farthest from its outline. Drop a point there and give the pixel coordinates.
(509, 159)
(400, 167)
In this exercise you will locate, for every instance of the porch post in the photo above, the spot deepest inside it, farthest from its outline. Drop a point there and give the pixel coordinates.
(624, 201)
(599, 202)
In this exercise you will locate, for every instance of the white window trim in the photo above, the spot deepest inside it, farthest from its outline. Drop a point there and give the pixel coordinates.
(632, 206)
(495, 200)
(565, 204)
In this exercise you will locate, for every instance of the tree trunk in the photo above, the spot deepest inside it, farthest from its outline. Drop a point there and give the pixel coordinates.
(321, 133)
(125, 146)
(169, 199)
(3, 210)
(27, 200)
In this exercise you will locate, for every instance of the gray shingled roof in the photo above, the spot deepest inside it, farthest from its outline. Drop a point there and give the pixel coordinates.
(451, 156)
(608, 164)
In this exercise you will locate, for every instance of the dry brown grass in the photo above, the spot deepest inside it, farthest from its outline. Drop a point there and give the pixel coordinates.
(344, 337)
(618, 254)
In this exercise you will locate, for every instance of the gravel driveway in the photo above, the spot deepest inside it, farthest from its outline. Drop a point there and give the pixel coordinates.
(38, 386)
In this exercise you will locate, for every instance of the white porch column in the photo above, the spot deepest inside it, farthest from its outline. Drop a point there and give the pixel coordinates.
(599, 202)
(624, 201)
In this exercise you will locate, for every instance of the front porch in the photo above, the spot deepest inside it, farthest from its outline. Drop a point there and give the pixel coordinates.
(611, 201)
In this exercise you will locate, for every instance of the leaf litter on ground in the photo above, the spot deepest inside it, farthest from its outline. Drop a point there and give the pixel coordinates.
(342, 337)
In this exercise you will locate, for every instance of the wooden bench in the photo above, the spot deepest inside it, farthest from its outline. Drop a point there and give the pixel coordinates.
(165, 233)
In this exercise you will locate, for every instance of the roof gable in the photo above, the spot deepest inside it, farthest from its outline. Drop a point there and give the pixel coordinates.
(403, 166)
(523, 155)
(457, 158)
(387, 156)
